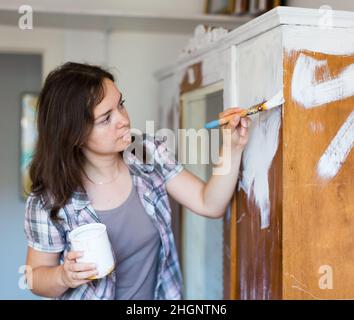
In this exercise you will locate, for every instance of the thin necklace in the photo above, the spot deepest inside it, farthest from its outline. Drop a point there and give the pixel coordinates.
(100, 183)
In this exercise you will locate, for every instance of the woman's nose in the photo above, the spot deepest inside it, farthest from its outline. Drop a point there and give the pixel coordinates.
(122, 121)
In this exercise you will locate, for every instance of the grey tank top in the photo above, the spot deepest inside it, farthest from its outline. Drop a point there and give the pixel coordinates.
(136, 243)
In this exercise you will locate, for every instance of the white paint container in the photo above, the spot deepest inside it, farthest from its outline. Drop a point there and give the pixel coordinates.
(93, 240)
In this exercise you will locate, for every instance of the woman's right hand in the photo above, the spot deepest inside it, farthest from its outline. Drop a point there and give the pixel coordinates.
(75, 274)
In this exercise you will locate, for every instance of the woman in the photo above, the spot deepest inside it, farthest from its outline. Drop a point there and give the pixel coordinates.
(79, 176)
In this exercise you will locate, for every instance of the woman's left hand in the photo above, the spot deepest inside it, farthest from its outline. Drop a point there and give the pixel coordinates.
(237, 127)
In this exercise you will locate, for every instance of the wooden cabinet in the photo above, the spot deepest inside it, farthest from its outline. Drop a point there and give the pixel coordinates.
(288, 233)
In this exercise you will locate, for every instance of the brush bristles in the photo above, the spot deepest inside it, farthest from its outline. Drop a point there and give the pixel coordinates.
(276, 101)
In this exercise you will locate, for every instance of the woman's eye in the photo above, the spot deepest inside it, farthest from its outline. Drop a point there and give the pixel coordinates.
(122, 104)
(107, 120)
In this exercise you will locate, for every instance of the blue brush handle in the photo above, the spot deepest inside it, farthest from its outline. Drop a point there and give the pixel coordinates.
(212, 124)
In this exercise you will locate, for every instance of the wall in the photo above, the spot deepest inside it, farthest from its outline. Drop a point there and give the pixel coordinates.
(151, 6)
(22, 68)
(335, 4)
(135, 56)
(19, 73)
(132, 56)
(162, 6)
(49, 42)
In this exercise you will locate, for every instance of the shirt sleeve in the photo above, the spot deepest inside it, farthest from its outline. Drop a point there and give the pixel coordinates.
(40, 231)
(166, 163)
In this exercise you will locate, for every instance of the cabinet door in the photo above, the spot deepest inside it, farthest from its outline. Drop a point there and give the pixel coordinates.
(318, 218)
(202, 238)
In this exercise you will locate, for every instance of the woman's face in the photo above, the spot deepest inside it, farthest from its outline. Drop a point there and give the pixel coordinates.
(111, 130)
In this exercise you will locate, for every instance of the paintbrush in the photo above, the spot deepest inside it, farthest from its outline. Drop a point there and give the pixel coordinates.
(225, 116)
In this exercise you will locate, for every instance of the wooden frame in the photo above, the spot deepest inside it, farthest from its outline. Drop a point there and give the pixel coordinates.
(230, 253)
(259, 251)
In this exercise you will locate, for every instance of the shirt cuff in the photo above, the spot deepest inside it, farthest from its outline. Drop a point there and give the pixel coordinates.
(177, 169)
(49, 249)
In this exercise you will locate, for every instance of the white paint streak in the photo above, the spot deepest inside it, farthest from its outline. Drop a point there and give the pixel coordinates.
(310, 93)
(338, 150)
(300, 286)
(257, 160)
(316, 126)
(276, 101)
(336, 41)
(241, 218)
(298, 281)
(306, 291)
(252, 87)
(191, 76)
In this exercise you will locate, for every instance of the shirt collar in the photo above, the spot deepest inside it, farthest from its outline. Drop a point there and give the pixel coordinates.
(80, 200)
(136, 165)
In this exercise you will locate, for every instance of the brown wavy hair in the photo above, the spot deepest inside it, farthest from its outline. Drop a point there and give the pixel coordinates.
(64, 120)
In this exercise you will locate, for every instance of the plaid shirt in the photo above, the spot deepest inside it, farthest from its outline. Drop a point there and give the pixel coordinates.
(150, 179)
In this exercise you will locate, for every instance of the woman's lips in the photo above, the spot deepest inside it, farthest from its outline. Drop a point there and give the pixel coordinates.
(127, 137)
(125, 134)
